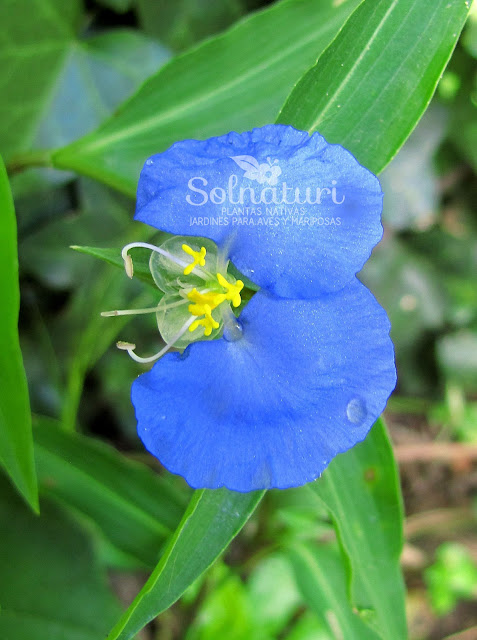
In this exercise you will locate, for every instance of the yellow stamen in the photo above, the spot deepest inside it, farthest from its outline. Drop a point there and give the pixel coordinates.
(198, 256)
(201, 299)
(233, 290)
(207, 322)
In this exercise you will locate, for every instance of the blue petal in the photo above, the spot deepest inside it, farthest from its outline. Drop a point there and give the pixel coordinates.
(300, 250)
(305, 382)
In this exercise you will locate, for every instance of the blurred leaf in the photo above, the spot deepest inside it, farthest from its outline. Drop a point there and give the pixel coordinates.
(49, 229)
(121, 6)
(410, 289)
(457, 358)
(76, 83)
(386, 50)
(182, 23)
(410, 182)
(215, 88)
(227, 612)
(211, 521)
(98, 74)
(51, 585)
(464, 129)
(133, 507)
(457, 415)
(113, 256)
(361, 490)
(295, 514)
(272, 590)
(89, 335)
(469, 39)
(308, 627)
(456, 266)
(34, 42)
(322, 580)
(452, 577)
(16, 445)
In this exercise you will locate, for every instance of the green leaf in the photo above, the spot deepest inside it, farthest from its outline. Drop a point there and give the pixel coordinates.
(113, 256)
(451, 578)
(361, 490)
(308, 627)
(16, 445)
(182, 23)
(34, 42)
(52, 586)
(98, 74)
(272, 590)
(227, 612)
(134, 508)
(77, 82)
(410, 183)
(213, 518)
(368, 90)
(121, 6)
(321, 578)
(233, 82)
(457, 358)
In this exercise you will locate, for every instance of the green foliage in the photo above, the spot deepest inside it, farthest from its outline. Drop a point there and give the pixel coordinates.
(451, 578)
(78, 82)
(133, 508)
(322, 580)
(113, 256)
(182, 23)
(361, 488)
(457, 357)
(314, 563)
(16, 445)
(194, 97)
(384, 52)
(211, 521)
(51, 584)
(35, 41)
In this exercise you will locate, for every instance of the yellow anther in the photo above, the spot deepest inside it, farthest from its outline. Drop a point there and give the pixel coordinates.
(198, 256)
(207, 321)
(233, 290)
(201, 299)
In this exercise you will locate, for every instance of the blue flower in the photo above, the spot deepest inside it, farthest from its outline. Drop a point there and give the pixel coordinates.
(268, 399)
(197, 182)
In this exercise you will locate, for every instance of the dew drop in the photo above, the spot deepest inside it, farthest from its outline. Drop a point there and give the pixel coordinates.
(356, 411)
(232, 331)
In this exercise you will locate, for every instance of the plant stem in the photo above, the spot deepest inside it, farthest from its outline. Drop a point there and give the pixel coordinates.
(27, 159)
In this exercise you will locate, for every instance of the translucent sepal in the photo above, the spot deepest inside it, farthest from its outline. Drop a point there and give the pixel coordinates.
(169, 275)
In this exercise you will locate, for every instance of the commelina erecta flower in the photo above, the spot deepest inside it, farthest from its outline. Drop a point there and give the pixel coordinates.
(284, 357)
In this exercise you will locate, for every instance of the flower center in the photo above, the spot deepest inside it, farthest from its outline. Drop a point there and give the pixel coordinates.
(197, 297)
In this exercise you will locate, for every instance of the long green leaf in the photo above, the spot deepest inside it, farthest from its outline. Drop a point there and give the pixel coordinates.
(235, 81)
(321, 578)
(133, 507)
(361, 490)
(213, 518)
(51, 585)
(16, 445)
(368, 90)
(34, 42)
(113, 256)
(77, 83)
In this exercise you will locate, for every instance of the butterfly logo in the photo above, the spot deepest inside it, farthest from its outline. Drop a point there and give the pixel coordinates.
(263, 173)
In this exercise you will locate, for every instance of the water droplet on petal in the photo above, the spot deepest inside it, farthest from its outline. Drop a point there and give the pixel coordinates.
(232, 331)
(356, 411)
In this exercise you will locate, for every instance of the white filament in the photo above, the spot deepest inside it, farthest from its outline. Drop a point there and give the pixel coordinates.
(128, 263)
(130, 347)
